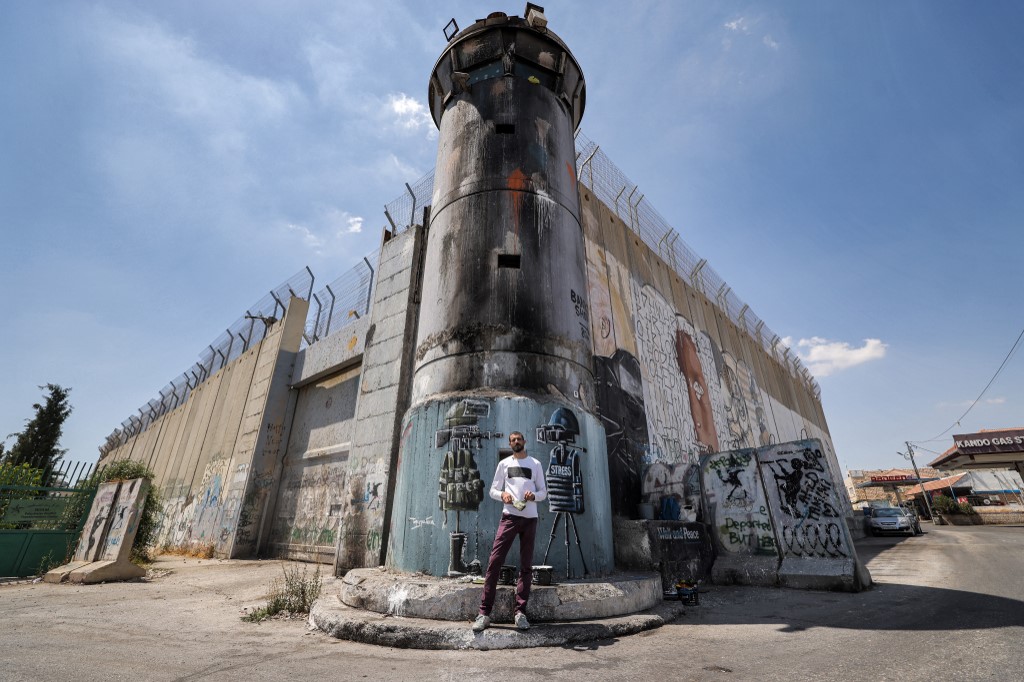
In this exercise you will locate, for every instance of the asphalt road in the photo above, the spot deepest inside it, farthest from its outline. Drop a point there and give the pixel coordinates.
(948, 605)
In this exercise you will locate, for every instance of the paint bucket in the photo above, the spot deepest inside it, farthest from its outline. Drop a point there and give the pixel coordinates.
(542, 575)
(689, 514)
(507, 574)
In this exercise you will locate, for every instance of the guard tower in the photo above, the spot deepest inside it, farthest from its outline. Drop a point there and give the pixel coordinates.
(504, 317)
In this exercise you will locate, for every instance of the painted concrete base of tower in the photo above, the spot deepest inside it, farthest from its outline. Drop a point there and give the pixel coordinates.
(448, 454)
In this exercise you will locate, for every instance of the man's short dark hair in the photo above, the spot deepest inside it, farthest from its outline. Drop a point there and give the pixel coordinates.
(516, 433)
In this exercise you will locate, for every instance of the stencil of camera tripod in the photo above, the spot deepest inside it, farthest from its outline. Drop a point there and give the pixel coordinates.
(564, 481)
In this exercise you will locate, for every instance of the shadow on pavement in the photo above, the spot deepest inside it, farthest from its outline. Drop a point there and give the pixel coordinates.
(888, 606)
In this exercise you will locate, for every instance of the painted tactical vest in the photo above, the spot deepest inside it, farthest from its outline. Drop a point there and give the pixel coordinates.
(565, 481)
(461, 488)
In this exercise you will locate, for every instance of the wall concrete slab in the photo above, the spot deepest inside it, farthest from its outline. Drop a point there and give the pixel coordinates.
(814, 541)
(740, 521)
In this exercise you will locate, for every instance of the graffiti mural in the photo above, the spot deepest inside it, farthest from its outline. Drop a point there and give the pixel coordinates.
(124, 520)
(620, 404)
(90, 544)
(666, 398)
(745, 413)
(308, 511)
(737, 507)
(804, 500)
(698, 389)
(461, 488)
(564, 479)
(444, 521)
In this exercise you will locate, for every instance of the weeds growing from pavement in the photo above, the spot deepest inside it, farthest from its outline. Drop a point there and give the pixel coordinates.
(293, 594)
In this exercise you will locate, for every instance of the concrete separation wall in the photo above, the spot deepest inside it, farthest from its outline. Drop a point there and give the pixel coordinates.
(295, 453)
(214, 456)
(383, 399)
(676, 378)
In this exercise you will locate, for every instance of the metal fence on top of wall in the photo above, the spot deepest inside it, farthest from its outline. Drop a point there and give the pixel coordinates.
(614, 188)
(341, 302)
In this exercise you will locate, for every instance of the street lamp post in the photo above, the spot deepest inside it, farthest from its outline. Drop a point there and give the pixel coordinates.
(924, 494)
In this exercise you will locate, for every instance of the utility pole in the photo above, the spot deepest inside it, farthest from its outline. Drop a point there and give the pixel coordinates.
(924, 494)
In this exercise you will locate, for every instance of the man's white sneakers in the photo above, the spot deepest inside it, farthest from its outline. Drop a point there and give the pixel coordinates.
(521, 621)
(483, 622)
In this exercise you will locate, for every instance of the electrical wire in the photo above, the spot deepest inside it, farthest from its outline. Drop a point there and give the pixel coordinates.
(1009, 355)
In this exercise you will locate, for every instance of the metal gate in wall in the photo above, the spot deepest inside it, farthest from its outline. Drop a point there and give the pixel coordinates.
(40, 524)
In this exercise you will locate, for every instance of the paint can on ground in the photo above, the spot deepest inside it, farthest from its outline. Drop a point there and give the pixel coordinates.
(542, 575)
(507, 574)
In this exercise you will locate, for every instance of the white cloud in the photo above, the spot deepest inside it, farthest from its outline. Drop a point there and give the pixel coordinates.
(824, 357)
(770, 42)
(355, 224)
(333, 222)
(409, 113)
(739, 25)
(343, 222)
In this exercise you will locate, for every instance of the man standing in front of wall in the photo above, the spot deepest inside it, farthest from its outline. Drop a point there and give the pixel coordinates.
(519, 484)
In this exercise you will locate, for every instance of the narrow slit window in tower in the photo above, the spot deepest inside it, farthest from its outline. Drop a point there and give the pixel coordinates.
(509, 260)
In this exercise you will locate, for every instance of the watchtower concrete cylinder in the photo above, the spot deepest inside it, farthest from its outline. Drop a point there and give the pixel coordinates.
(503, 302)
(503, 341)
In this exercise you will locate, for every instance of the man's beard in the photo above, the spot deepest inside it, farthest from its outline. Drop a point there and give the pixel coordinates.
(518, 447)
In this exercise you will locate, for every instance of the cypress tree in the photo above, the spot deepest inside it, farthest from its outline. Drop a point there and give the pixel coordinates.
(39, 444)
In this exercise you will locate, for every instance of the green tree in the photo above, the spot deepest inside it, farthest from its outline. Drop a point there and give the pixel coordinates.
(39, 444)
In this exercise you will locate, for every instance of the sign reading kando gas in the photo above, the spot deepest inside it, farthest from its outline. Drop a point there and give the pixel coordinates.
(990, 441)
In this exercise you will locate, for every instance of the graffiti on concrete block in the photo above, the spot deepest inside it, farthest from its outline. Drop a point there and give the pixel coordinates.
(803, 498)
(736, 503)
(564, 478)
(95, 525)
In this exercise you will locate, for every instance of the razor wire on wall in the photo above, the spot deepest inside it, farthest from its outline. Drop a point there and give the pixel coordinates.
(614, 188)
(341, 302)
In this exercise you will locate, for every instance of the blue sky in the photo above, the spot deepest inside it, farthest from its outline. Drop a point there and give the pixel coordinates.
(855, 171)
